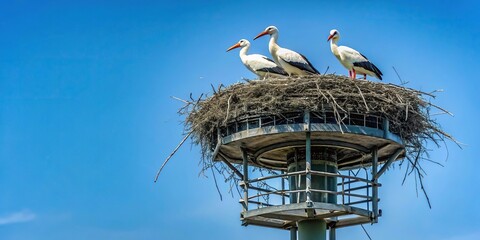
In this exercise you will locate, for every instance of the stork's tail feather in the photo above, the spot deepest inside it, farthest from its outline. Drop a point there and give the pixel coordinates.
(370, 67)
(312, 69)
(377, 71)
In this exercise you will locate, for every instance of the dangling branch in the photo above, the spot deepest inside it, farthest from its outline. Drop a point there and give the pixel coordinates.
(216, 184)
(365, 230)
(171, 154)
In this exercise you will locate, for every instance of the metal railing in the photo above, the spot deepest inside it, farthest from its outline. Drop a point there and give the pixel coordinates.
(345, 188)
(325, 117)
(352, 190)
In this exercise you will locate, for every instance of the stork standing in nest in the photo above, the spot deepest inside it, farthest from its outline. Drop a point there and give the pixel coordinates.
(351, 59)
(260, 65)
(294, 63)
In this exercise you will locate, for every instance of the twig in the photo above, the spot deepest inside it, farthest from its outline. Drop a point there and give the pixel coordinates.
(320, 91)
(434, 162)
(181, 100)
(398, 75)
(228, 109)
(435, 91)
(424, 191)
(171, 154)
(338, 117)
(336, 102)
(361, 94)
(213, 89)
(220, 87)
(326, 70)
(406, 111)
(445, 111)
(416, 183)
(414, 164)
(411, 89)
(365, 230)
(216, 184)
(436, 114)
(406, 172)
(420, 180)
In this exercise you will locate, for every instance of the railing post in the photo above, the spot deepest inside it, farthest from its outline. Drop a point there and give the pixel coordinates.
(283, 188)
(386, 126)
(375, 185)
(308, 159)
(298, 176)
(245, 178)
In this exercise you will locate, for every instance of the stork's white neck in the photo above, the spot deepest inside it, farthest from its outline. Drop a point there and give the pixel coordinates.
(334, 47)
(273, 47)
(244, 51)
(273, 42)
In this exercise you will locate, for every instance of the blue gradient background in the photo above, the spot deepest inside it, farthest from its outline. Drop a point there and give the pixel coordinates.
(86, 116)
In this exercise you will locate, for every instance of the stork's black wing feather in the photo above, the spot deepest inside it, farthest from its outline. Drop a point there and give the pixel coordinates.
(308, 67)
(363, 55)
(268, 59)
(370, 67)
(276, 70)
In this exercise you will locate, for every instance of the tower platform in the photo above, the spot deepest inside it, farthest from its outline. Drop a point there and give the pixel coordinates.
(270, 138)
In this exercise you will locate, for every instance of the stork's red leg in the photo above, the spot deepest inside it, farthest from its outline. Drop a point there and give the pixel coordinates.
(354, 74)
(350, 73)
(364, 76)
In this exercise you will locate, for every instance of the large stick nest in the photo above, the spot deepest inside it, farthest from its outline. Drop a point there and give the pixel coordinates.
(408, 110)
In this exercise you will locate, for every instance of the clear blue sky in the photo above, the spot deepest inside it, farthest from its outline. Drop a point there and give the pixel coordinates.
(86, 116)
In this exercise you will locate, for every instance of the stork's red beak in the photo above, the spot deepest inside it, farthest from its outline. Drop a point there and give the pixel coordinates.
(330, 37)
(233, 47)
(261, 34)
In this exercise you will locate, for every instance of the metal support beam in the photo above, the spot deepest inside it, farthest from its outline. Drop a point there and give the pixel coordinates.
(245, 178)
(332, 234)
(229, 165)
(312, 230)
(215, 151)
(219, 144)
(388, 163)
(375, 185)
(293, 233)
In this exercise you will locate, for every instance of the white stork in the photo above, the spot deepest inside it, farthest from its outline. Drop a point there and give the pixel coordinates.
(294, 63)
(258, 64)
(351, 59)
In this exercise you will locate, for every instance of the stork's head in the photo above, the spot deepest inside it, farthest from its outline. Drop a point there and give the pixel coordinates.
(334, 34)
(269, 30)
(241, 43)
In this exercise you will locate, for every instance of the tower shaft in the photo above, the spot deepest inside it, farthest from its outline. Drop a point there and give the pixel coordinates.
(321, 159)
